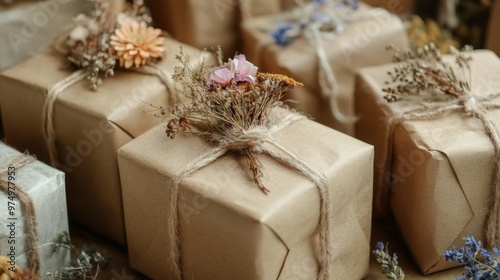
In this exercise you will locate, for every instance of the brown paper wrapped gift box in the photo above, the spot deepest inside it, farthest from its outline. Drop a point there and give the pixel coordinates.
(362, 44)
(90, 127)
(229, 229)
(442, 169)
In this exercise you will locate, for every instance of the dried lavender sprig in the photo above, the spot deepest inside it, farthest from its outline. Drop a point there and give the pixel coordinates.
(389, 264)
(425, 73)
(478, 262)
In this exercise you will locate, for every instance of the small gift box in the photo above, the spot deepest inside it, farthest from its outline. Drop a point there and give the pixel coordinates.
(302, 215)
(88, 126)
(33, 198)
(229, 229)
(28, 26)
(325, 62)
(437, 157)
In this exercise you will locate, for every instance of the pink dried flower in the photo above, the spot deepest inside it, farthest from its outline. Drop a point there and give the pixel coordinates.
(245, 70)
(238, 69)
(221, 77)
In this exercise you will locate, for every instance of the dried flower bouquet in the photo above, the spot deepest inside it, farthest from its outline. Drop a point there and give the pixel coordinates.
(96, 42)
(234, 99)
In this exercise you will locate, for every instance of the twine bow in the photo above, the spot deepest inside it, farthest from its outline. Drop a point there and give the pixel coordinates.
(258, 139)
(49, 132)
(471, 106)
(27, 203)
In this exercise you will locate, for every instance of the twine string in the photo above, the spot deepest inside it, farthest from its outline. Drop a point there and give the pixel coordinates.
(52, 94)
(49, 132)
(31, 223)
(165, 78)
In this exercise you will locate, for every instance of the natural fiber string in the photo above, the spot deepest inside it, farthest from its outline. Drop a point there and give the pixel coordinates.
(48, 106)
(48, 112)
(472, 107)
(31, 224)
(259, 140)
(327, 81)
(165, 78)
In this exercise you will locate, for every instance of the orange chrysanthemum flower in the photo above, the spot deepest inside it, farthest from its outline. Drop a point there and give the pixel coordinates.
(135, 43)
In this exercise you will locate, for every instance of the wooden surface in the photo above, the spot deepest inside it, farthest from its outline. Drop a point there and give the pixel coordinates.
(388, 233)
(119, 268)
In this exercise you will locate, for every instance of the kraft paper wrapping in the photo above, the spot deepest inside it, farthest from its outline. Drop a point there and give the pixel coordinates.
(442, 169)
(362, 44)
(46, 187)
(90, 127)
(199, 23)
(27, 27)
(207, 24)
(231, 230)
(393, 6)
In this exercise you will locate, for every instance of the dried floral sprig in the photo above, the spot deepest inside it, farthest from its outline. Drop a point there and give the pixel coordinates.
(234, 99)
(96, 42)
(389, 264)
(478, 262)
(425, 73)
(87, 265)
(422, 32)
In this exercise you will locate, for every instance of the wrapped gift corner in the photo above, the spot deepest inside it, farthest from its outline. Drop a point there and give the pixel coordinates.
(362, 44)
(441, 186)
(46, 186)
(90, 127)
(229, 229)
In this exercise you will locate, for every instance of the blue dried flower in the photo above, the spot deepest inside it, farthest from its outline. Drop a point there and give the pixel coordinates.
(496, 251)
(281, 33)
(389, 264)
(322, 17)
(354, 4)
(479, 263)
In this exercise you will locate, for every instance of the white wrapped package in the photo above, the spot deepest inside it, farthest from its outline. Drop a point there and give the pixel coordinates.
(46, 187)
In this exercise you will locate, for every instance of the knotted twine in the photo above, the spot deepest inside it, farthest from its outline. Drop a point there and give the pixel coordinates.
(471, 106)
(52, 94)
(258, 139)
(31, 223)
